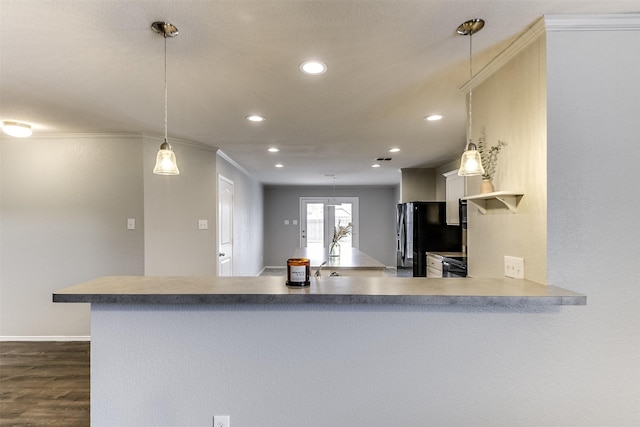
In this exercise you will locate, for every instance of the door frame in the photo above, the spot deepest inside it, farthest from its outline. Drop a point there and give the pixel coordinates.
(328, 215)
(222, 178)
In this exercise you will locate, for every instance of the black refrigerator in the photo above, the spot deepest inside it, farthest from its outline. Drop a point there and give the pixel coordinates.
(422, 227)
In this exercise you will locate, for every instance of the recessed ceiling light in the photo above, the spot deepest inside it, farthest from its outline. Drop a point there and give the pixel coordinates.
(313, 67)
(279, 165)
(375, 165)
(273, 149)
(394, 150)
(17, 129)
(255, 118)
(433, 117)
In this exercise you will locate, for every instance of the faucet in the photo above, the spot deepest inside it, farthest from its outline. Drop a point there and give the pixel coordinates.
(317, 274)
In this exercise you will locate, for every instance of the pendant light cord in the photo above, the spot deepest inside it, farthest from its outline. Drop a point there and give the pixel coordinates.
(165, 89)
(470, 84)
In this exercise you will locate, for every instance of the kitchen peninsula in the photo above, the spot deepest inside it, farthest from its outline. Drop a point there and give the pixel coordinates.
(210, 339)
(351, 262)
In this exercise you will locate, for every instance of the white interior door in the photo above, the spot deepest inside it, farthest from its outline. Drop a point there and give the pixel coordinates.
(225, 226)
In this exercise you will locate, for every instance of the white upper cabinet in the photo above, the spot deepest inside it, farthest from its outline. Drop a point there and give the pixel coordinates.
(455, 190)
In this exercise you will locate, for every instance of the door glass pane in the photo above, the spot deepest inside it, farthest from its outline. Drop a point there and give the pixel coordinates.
(343, 216)
(315, 224)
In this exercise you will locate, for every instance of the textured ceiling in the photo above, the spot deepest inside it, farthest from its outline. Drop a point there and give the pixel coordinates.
(97, 67)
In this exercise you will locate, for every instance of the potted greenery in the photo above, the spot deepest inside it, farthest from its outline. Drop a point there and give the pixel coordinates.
(489, 156)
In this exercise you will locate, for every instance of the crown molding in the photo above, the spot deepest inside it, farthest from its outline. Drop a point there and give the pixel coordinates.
(554, 23)
(172, 141)
(179, 141)
(233, 163)
(606, 22)
(525, 38)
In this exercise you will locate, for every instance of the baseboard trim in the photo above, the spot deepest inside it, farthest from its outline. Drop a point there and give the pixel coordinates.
(45, 338)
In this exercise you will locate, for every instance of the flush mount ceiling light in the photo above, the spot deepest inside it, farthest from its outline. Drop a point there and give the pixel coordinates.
(433, 117)
(279, 165)
(394, 150)
(313, 67)
(166, 163)
(273, 149)
(17, 129)
(255, 118)
(470, 162)
(375, 165)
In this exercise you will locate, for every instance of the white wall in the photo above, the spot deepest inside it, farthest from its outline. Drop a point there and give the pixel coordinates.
(377, 206)
(64, 207)
(413, 366)
(248, 219)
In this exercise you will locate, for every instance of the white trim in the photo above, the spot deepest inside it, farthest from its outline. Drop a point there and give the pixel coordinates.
(518, 45)
(603, 22)
(555, 23)
(233, 163)
(117, 136)
(46, 338)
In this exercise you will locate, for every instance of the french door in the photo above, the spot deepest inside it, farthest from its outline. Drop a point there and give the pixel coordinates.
(320, 215)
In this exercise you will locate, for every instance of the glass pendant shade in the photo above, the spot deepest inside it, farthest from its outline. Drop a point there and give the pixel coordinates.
(166, 163)
(471, 163)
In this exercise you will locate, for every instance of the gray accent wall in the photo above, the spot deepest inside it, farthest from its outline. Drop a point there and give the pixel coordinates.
(377, 220)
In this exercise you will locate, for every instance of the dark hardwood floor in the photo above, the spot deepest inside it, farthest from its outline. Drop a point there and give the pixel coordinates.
(44, 383)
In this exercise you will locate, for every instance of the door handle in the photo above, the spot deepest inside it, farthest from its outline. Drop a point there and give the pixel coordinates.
(221, 254)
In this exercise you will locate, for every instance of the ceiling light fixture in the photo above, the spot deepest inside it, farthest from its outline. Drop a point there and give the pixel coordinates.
(433, 117)
(255, 118)
(313, 67)
(470, 162)
(273, 149)
(17, 129)
(394, 150)
(375, 165)
(279, 165)
(166, 163)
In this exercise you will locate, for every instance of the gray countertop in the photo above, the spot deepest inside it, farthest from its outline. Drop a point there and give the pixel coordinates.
(350, 258)
(323, 290)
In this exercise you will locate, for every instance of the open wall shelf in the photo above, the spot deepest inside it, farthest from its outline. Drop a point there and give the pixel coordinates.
(509, 199)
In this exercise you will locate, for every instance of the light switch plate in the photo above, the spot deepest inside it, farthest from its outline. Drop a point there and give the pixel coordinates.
(131, 224)
(221, 421)
(514, 267)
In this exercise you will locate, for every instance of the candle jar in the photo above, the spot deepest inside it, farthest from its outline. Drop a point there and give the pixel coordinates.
(298, 270)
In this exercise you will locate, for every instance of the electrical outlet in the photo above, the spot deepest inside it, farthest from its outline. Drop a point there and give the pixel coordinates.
(203, 224)
(131, 224)
(514, 267)
(221, 421)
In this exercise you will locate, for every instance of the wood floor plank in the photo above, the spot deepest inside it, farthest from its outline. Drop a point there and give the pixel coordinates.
(44, 383)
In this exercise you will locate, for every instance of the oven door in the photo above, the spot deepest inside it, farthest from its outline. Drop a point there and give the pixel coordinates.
(453, 270)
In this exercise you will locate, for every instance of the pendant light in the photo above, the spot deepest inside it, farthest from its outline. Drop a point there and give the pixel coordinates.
(471, 162)
(333, 202)
(166, 160)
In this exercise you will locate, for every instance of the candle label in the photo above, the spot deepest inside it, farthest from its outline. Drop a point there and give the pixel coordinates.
(298, 273)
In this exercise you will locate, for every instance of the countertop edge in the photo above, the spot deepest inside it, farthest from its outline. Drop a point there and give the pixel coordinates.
(355, 291)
